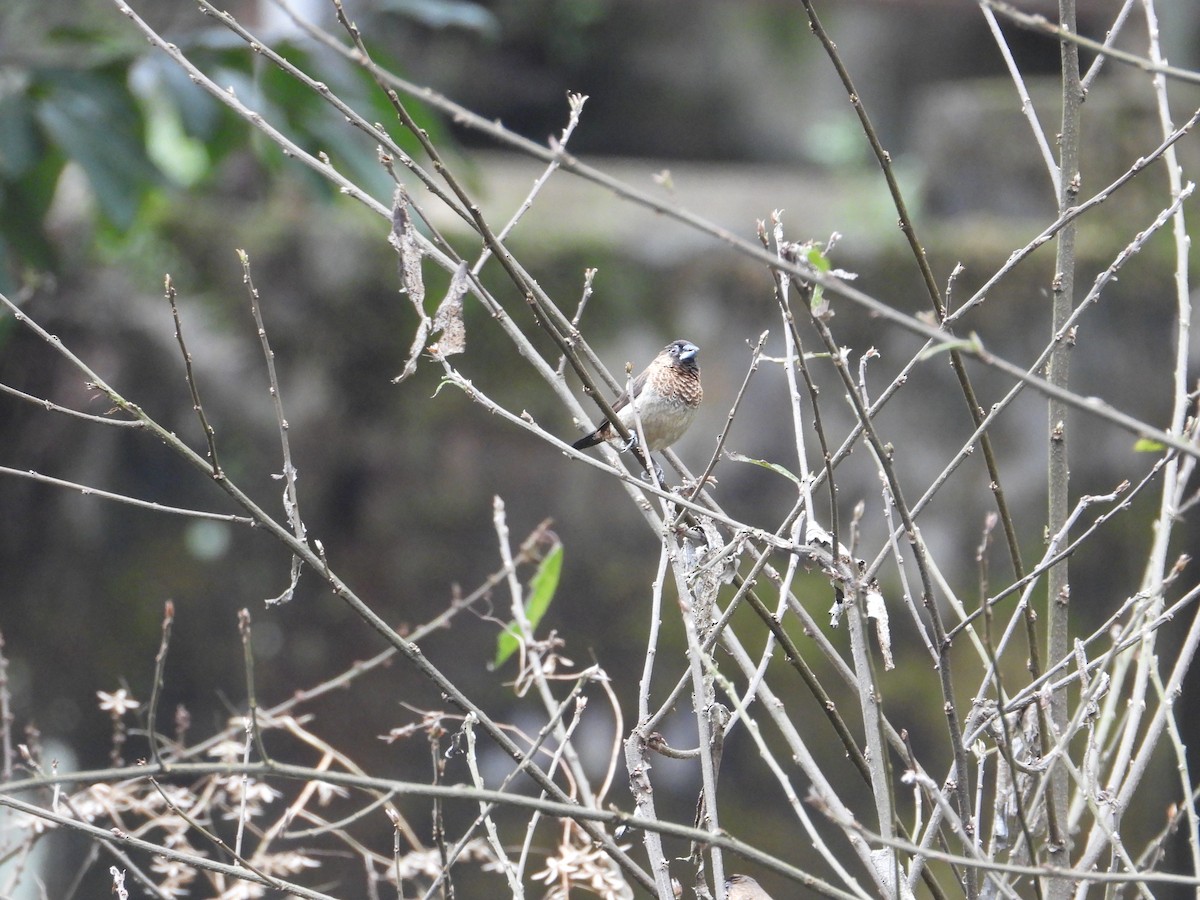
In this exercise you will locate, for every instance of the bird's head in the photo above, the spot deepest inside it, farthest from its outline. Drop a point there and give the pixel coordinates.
(682, 353)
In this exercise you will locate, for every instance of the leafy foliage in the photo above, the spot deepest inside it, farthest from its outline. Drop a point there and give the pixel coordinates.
(541, 592)
(137, 128)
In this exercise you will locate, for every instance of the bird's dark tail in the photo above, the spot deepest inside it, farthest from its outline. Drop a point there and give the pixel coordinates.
(590, 440)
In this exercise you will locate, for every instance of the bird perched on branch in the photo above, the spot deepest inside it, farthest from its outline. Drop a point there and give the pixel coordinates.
(743, 887)
(665, 396)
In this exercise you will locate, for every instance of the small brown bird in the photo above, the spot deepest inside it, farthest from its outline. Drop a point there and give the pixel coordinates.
(665, 396)
(743, 887)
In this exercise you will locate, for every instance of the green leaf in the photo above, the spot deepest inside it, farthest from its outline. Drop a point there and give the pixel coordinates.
(816, 258)
(1146, 445)
(183, 158)
(541, 591)
(94, 120)
(447, 14)
(447, 381)
(774, 467)
(21, 145)
(946, 346)
(25, 201)
(200, 113)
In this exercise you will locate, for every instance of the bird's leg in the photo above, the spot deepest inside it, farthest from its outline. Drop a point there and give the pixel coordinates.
(644, 457)
(658, 471)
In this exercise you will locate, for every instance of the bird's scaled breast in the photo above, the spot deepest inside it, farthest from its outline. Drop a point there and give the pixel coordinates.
(664, 418)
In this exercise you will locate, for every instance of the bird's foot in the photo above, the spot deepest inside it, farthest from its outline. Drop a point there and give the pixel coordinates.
(661, 478)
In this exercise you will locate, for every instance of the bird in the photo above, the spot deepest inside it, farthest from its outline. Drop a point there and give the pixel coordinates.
(665, 396)
(743, 887)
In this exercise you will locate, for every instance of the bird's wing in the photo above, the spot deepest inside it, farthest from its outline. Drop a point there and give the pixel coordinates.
(638, 383)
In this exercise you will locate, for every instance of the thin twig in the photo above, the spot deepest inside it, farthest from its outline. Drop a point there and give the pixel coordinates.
(1109, 37)
(160, 663)
(291, 499)
(1067, 34)
(88, 491)
(917, 248)
(210, 434)
(1058, 582)
(6, 717)
(568, 163)
(1014, 71)
(755, 355)
(50, 406)
(252, 713)
(445, 879)
(409, 650)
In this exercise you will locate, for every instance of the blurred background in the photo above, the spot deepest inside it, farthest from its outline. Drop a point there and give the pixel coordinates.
(115, 170)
